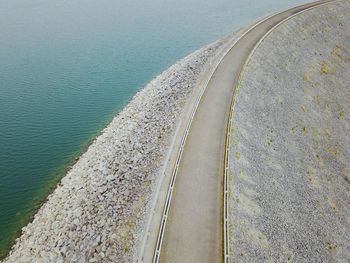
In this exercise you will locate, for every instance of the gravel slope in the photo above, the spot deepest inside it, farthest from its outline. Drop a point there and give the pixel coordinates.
(290, 159)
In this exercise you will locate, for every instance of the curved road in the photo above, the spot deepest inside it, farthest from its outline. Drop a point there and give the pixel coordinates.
(193, 231)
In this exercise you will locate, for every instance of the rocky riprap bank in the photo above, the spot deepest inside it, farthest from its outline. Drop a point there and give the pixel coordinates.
(290, 155)
(99, 209)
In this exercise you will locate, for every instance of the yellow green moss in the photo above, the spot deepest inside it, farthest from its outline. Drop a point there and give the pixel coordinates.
(325, 68)
(331, 203)
(237, 155)
(319, 161)
(308, 73)
(332, 150)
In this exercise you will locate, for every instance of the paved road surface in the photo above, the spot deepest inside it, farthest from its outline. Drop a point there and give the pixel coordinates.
(194, 229)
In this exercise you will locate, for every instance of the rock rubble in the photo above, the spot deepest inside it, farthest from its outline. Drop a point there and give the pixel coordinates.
(98, 210)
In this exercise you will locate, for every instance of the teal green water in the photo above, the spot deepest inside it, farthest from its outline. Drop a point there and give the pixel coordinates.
(66, 67)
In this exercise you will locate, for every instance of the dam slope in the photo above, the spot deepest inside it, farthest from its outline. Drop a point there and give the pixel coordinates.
(289, 159)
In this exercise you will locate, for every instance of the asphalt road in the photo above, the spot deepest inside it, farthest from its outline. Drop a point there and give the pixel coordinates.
(194, 229)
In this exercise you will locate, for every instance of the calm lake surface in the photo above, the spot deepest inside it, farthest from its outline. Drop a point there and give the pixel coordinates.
(67, 67)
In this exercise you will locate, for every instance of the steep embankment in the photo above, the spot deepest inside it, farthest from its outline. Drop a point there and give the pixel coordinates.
(98, 211)
(290, 159)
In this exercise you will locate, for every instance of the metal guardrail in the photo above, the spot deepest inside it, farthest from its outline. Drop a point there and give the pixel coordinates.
(160, 238)
(180, 152)
(226, 190)
(177, 163)
(166, 209)
(172, 182)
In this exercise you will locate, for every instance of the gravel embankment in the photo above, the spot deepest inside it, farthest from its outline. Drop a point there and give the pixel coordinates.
(290, 156)
(98, 211)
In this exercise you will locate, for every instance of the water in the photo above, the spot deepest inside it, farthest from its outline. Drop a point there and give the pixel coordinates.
(66, 67)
